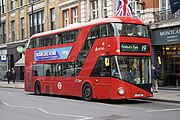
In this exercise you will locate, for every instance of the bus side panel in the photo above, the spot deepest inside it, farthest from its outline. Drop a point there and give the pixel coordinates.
(101, 88)
(47, 85)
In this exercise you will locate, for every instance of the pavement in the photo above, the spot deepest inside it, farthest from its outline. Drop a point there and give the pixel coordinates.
(165, 94)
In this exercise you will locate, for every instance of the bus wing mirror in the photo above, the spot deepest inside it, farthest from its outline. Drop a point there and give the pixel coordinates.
(106, 61)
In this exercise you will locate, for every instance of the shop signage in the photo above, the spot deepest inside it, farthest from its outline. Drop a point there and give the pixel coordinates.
(166, 36)
(3, 58)
(3, 52)
(52, 54)
(131, 47)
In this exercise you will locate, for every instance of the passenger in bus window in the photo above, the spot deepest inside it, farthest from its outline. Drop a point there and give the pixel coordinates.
(35, 73)
(114, 70)
(134, 32)
(48, 73)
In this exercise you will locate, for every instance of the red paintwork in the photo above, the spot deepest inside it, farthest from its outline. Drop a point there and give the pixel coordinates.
(105, 88)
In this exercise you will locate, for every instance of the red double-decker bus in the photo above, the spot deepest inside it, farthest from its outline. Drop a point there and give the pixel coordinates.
(103, 59)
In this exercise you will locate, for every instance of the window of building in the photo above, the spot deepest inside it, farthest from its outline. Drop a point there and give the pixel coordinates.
(52, 14)
(3, 6)
(40, 27)
(164, 4)
(135, 7)
(22, 29)
(21, 2)
(12, 31)
(94, 9)
(75, 15)
(3, 33)
(104, 2)
(12, 4)
(38, 22)
(66, 18)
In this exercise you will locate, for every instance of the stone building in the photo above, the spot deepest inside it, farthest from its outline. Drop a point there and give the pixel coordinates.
(18, 24)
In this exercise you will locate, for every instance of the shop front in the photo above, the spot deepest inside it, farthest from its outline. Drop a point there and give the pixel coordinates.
(3, 63)
(166, 54)
(15, 59)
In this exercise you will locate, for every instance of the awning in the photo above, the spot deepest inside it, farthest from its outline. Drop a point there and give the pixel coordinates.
(20, 62)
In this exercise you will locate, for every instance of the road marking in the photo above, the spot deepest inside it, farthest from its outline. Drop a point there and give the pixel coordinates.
(44, 111)
(164, 110)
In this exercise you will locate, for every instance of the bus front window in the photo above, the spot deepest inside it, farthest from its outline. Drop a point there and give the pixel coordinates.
(135, 70)
(130, 30)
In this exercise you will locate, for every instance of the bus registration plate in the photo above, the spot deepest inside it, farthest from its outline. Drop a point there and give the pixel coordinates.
(139, 95)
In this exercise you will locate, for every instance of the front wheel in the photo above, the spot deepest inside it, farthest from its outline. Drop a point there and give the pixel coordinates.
(37, 88)
(87, 92)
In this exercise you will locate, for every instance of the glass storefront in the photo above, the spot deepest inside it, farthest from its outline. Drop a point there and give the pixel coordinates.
(171, 65)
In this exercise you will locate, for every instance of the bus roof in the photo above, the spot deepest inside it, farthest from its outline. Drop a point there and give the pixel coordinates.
(123, 19)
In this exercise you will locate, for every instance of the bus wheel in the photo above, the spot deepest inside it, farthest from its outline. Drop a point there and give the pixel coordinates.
(37, 88)
(87, 92)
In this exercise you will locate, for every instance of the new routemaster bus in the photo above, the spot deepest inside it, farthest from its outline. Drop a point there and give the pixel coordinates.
(103, 59)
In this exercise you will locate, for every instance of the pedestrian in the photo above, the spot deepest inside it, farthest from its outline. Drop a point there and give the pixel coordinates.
(154, 78)
(9, 76)
(13, 75)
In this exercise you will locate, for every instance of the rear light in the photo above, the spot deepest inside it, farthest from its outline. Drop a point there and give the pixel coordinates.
(121, 91)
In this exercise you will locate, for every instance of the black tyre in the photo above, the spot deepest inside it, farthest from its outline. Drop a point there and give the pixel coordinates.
(87, 92)
(37, 88)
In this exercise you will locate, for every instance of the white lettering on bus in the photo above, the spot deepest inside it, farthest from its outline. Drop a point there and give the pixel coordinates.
(48, 53)
(126, 46)
(99, 49)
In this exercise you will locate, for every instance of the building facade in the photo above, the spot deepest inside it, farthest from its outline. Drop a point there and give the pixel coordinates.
(19, 20)
(166, 43)
(22, 18)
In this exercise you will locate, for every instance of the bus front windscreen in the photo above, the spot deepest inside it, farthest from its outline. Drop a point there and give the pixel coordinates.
(131, 30)
(135, 70)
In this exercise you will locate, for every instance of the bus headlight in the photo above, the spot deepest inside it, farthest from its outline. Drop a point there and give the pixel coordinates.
(121, 91)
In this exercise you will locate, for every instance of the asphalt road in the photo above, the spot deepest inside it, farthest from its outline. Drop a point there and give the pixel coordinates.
(15, 104)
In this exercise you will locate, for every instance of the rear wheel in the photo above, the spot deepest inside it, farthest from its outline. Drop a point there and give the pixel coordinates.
(37, 88)
(87, 92)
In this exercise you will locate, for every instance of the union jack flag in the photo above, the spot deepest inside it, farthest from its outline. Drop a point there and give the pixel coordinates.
(123, 8)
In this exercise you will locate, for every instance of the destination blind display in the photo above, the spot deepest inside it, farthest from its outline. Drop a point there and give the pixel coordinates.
(131, 47)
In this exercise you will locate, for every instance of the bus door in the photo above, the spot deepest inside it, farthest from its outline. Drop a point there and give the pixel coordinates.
(68, 73)
(101, 78)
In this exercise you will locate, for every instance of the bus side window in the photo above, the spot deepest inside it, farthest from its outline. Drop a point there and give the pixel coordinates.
(56, 39)
(52, 40)
(36, 42)
(110, 30)
(71, 36)
(100, 70)
(47, 69)
(59, 38)
(41, 42)
(35, 73)
(31, 44)
(59, 69)
(65, 37)
(48, 73)
(76, 32)
(103, 31)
